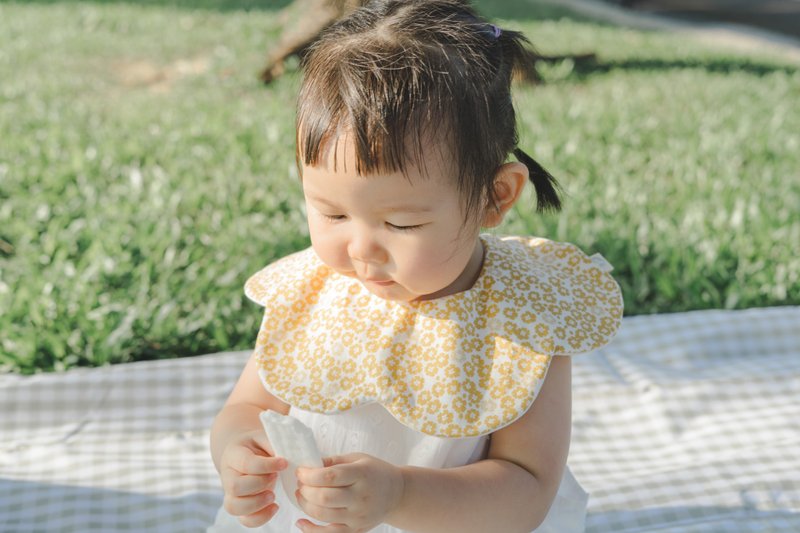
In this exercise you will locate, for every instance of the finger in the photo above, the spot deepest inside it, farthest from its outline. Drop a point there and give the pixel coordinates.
(307, 526)
(324, 514)
(340, 475)
(239, 485)
(247, 462)
(261, 517)
(327, 496)
(249, 504)
(347, 458)
(262, 442)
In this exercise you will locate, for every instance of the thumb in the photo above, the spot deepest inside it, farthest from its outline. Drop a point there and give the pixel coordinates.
(261, 440)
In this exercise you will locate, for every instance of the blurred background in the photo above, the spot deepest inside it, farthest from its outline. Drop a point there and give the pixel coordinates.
(146, 171)
(781, 16)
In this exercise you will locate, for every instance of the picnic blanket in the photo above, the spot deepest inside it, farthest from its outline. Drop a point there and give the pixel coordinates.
(686, 422)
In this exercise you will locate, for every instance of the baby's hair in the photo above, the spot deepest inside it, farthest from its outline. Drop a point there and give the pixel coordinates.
(397, 74)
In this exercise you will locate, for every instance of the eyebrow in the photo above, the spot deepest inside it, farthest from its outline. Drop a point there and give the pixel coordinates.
(388, 209)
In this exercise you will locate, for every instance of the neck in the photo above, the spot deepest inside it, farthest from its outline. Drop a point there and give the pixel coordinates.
(466, 279)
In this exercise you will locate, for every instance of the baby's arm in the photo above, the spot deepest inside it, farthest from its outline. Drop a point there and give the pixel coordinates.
(510, 491)
(241, 451)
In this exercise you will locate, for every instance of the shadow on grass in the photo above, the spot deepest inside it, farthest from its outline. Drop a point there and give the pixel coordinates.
(519, 10)
(216, 5)
(591, 67)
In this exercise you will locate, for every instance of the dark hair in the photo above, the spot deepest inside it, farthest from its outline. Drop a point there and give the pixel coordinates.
(397, 73)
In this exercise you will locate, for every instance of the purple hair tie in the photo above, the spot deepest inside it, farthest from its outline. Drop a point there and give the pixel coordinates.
(495, 31)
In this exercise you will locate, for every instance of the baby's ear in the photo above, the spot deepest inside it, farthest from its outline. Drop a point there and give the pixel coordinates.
(509, 180)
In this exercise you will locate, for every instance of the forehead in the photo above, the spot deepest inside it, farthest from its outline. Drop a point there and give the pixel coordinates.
(424, 160)
(419, 187)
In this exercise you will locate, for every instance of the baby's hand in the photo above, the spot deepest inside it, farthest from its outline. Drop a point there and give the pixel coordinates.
(354, 493)
(248, 471)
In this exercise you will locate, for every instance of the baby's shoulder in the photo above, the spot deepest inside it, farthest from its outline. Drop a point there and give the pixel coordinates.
(289, 275)
(554, 254)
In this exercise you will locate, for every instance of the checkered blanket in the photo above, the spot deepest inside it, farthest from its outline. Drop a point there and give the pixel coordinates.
(686, 422)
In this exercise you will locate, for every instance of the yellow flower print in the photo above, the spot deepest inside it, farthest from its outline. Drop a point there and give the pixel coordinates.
(384, 345)
(402, 403)
(520, 393)
(289, 346)
(496, 391)
(426, 339)
(287, 365)
(470, 369)
(492, 421)
(472, 415)
(508, 402)
(459, 405)
(444, 328)
(448, 345)
(480, 322)
(334, 373)
(398, 349)
(434, 406)
(444, 416)
(452, 371)
(429, 427)
(348, 338)
(399, 382)
(299, 306)
(399, 374)
(453, 430)
(345, 404)
(453, 388)
(438, 389)
(414, 366)
(510, 313)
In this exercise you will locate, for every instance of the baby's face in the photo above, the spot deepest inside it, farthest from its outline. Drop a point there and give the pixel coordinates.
(403, 239)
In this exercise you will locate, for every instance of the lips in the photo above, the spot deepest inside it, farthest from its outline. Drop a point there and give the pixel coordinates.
(380, 281)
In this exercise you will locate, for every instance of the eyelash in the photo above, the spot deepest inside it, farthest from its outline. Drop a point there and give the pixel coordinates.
(337, 218)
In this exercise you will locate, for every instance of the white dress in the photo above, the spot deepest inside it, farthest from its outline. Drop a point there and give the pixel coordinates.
(373, 430)
(426, 383)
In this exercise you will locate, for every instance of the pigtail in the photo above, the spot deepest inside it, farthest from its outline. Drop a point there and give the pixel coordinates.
(523, 57)
(521, 61)
(545, 184)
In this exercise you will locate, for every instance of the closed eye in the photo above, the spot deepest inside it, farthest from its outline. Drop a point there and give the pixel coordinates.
(404, 228)
(334, 217)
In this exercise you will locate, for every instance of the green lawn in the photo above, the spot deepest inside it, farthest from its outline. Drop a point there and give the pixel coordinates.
(144, 173)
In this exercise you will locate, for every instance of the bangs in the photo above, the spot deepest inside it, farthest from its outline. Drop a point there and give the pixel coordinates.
(391, 116)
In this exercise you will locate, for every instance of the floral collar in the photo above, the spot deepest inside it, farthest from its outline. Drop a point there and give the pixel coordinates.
(462, 365)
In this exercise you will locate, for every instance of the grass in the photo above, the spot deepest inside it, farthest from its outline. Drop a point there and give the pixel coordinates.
(144, 173)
